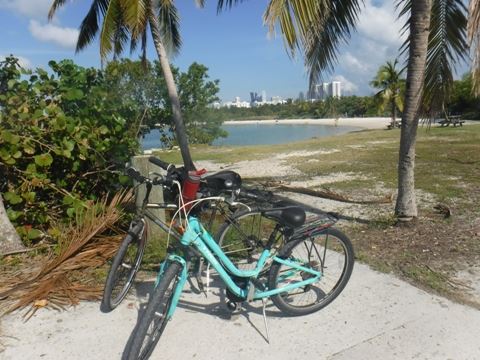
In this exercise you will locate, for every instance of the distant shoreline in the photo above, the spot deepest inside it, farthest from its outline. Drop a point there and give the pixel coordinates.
(365, 123)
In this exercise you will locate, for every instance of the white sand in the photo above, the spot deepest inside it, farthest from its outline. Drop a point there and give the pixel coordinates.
(365, 123)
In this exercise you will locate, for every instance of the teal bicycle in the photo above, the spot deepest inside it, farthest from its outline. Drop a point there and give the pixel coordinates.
(308, 271)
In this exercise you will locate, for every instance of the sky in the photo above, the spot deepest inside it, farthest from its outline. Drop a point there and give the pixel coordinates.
(235, 45)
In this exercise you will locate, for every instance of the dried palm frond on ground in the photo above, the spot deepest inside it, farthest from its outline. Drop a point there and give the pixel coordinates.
(83, 247)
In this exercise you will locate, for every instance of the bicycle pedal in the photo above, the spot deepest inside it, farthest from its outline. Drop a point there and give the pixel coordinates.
(234, 307)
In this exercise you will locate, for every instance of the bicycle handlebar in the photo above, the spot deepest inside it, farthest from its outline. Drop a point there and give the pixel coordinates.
(135, 174)
(164, 165)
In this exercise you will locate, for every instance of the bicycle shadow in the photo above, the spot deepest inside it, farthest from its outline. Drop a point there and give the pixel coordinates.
(205, 305)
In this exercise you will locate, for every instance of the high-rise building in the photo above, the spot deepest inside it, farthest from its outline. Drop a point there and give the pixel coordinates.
(336, 89)
(326, 90)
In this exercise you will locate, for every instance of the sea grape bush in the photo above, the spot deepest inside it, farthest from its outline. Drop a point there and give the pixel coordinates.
(63, 143)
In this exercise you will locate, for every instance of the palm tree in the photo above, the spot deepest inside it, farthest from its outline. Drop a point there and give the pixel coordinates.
(318, 27)
(474, 40)
(389, 80)
(130, 21)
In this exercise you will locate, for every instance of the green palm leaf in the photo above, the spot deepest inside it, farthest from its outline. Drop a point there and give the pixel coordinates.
(322, 46)
(89, 26)
(112, 25)
(227, 4)
(136, 16)
(447, 45)
(56, 4)
(169, 25)
(296, 19)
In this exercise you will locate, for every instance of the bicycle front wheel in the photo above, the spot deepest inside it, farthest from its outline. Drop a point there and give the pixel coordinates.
(124, 267)
(146, 335)
(331, 253)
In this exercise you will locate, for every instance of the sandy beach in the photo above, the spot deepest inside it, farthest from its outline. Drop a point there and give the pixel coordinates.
(365, 123)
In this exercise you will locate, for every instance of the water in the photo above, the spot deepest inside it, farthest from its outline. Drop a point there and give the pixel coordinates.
(262, 134)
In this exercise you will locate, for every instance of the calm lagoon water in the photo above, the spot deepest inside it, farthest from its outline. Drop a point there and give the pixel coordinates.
(262, 134)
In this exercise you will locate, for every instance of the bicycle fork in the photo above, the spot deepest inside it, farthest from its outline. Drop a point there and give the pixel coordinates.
(177, 292)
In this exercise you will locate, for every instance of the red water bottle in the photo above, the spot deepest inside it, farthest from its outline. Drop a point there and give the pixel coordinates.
(190, 186)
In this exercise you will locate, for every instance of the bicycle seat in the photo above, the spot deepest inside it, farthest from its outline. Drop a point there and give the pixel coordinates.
(291, 216)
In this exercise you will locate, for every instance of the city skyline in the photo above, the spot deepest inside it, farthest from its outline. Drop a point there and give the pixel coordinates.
(322, 91)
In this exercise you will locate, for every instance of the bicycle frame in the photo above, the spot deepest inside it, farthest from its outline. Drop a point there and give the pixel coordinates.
(197, 236)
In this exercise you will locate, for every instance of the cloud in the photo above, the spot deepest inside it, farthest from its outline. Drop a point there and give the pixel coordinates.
(352, 62)
(22, 61)
(63, 36)
(378, 39)
(347, 85)
(379, 23)
(37, 9)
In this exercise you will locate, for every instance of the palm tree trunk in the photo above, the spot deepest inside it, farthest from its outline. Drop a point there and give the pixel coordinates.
(406, 207)
(9, 239)
(394, 112)
(180, 131)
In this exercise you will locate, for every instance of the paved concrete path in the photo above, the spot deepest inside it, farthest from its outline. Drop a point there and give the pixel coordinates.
(376, 317)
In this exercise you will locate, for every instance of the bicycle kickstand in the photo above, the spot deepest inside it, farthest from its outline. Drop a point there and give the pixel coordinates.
(264, 303)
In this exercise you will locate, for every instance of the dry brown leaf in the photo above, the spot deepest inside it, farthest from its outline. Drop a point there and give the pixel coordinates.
(40, 303)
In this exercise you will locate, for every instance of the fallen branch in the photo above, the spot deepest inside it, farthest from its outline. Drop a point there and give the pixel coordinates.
(327, 194)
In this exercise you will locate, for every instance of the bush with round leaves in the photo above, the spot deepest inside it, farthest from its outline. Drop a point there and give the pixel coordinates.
(63, 143)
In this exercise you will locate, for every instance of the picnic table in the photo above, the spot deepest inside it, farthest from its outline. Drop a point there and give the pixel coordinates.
(394, 125)
(451, 120)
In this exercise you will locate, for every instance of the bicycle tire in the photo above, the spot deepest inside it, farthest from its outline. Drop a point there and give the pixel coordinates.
(243, 235)
(309, 250)
(123, 269)
(157, 308)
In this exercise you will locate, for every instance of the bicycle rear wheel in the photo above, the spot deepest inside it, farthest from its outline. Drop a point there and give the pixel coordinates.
(329, 252)
(124, 266)
(243, 236)
(147, 333)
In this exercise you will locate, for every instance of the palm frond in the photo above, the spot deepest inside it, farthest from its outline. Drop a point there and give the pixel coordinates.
(295, 18)
(227, 4)
(135, 14)
(322, 44)
(112, 25)
(56, 4)
(169, 23)
(120, 38)
(474, 40)
(89, 26)
(447, 46)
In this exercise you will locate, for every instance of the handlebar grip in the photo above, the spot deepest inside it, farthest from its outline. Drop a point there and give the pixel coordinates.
(135, 175)
(158, 162)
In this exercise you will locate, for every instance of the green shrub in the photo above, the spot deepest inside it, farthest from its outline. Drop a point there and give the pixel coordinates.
(63, 143)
